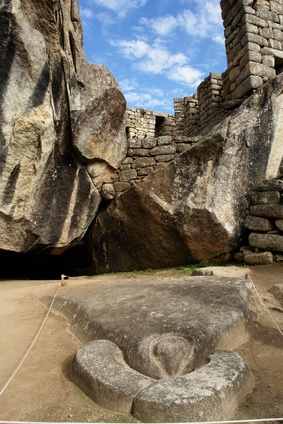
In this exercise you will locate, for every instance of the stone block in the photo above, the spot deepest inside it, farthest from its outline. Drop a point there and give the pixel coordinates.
(148, 142)
(145, 171)
(128, 175)
(163, 150)
(134, 143)
(254, 38)
(138, 152)
(249, 56)
(262, 258)
(273, 242)
(266, 33)
(268, 61)
(164, 140)
(164, 158)
(251, 83)
(267, 15)
(279, 224)
(143, 162)
(271, 185)
(275, 44)
(276, 6)
(121, 186)
(108, 191)
(267, 211)
(255, 20)
(266, 197)
(255, 223)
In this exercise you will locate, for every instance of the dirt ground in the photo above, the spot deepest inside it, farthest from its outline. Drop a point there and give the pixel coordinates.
(41, 390)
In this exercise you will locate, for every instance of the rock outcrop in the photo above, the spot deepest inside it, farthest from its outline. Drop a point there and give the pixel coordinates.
(194, 208)
(62, 127)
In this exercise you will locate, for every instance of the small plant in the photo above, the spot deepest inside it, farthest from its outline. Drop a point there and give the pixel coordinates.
(148, 271)
(188, 268)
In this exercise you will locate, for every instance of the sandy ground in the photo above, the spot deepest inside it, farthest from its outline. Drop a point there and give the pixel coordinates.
(41, 390)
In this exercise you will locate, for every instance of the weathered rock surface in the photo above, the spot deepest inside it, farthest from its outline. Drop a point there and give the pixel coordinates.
(164, 353)
(194, 208)
(61, 127)
(165, 326)
(210, 392)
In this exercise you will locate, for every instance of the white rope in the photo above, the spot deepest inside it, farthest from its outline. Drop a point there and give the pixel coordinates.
(261, 301)
(31, 346)
(258, 420)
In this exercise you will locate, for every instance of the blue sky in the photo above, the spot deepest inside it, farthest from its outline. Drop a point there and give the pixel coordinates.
(156, 49)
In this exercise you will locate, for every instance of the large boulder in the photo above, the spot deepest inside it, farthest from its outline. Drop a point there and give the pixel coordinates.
(62, 127)
(194, 208)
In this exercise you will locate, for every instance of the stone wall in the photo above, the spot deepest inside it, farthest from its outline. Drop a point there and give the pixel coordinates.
(265, 224)
(141, 122)
(253, 40)
(145, 155)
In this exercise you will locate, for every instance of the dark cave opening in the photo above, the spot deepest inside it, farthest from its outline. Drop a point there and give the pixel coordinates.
(73, 262)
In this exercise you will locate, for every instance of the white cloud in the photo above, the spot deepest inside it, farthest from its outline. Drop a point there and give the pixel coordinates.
(121, 7)
(205, 22)
(162, 25)
(132, 49)
(186, 74)
(86, 13)
(158, 60)
(138, 95)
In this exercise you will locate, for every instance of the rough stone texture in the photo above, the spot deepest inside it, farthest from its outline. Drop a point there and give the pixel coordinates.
(272, 242)
(100, 370)
(211, 392)
(194, 208)
(263, 258)
(165, 327)
(62, 127)
(277, 291)
(266, 230)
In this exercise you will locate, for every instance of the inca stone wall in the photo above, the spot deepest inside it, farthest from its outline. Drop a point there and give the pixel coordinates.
(146, 123)
(254, 38)
(265, 223)
(145, 155)
(254, 35)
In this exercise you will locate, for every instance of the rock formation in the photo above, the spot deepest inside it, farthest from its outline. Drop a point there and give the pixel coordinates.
(194, 208)
(62, 127)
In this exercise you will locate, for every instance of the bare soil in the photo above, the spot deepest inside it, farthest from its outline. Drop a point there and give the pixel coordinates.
(41, 389)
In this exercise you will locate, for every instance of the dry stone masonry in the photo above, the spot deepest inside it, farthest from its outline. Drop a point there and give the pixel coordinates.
(253, 39)
(265, 223)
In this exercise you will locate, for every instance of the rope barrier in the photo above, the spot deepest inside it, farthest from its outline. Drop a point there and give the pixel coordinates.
(34, 340)
(261, 301)
(256, 420)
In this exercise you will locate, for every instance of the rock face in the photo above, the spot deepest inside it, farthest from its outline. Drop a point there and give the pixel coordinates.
(194, 208)
(62, 127)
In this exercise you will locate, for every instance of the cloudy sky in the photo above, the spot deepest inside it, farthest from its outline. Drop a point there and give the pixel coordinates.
(156, 49)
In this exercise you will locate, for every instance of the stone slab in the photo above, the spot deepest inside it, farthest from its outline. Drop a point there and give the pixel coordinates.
(268, 211)
(211, 392)
(147, 318)
(273, 242)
